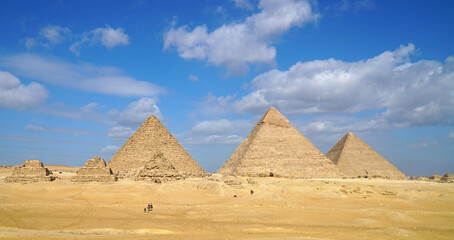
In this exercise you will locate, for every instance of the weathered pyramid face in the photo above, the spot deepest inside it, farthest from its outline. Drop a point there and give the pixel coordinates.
(96, 162)
(158, 168)
(357, 159)
(151, 138)
(276, 148)
(30, 168)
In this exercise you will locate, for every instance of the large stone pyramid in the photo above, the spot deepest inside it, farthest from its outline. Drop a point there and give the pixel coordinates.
(276, 148)
(357, 159)
(152, 138)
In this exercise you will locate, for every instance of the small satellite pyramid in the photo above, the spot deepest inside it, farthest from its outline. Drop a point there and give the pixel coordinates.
(357, 159)
(150, 139)
(276, 148)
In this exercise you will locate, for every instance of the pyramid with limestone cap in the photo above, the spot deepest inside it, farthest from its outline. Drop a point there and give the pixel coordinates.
(152, 138)
(275, 147)
(357, 159)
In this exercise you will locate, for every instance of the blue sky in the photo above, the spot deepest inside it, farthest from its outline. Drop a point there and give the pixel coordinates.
(77, 78)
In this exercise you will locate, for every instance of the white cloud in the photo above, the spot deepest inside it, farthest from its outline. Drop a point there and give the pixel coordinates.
(193, 78)
(110, 149)
(217, 132)
(14, 94)
(420, 93)
(243, 4)
(107, 37)
(33, 128)
(213, 127)
(214, 140)
(237, 45)
(120, 133)
(212, 105)
(82, 76)
(55, 34)
(90, 112)
(422, 145)
(132, 116)
(137, 112)
(451, 135)
(64, 131)
(49, 36)
(30, 43)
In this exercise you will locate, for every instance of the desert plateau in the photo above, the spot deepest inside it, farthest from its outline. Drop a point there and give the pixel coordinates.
(206, 208)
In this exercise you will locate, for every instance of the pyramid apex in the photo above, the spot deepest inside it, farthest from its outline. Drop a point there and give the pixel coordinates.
(273, 116)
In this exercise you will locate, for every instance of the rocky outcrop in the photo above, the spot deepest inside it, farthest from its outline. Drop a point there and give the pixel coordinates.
(30, 171)
(95, 170)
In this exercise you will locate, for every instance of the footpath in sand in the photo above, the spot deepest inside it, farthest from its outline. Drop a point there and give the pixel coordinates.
(205, 208)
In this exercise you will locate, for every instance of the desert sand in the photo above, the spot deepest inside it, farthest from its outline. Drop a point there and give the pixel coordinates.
(205, 208)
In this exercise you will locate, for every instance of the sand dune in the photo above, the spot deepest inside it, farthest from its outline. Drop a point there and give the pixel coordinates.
(205, 208)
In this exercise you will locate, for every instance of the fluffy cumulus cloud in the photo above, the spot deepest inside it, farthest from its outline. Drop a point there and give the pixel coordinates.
(106, 36)
(237, 45)
(120, 133)
(137, 112)
(408, 93)
(82, 76)
(49, 36)
(14, 94)
(217, 132)
(55, 34)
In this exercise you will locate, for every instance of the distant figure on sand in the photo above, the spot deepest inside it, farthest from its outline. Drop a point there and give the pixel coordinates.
(252, 192)
(145, 210)
(150, 207)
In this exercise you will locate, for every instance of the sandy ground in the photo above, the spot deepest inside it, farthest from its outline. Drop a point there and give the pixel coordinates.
(207, 209)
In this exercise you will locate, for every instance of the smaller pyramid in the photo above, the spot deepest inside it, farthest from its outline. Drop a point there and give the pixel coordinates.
(275, 148)
(447, 178)
(357, 159)
(30, 171)
(95, 170)
(152, 138)
(158, 169)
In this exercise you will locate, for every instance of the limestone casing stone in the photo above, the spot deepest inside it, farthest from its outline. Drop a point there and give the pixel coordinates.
(357, 159)
(152, 138)
(275, 148)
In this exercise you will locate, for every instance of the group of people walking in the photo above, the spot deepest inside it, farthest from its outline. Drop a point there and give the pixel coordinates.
(148, 208)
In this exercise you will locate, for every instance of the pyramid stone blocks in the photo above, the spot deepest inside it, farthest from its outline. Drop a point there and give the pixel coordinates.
(158, 169)
(150, 139)
(357, 159)
(276, 148)
(95, 170)
(30, 171)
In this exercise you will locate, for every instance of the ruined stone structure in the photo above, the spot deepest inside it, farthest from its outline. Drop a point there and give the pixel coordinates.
(158, 169)
(150, 139)
(357, 159)
(30, 171)
(276, 148)
(95, 170)
(447, 178)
